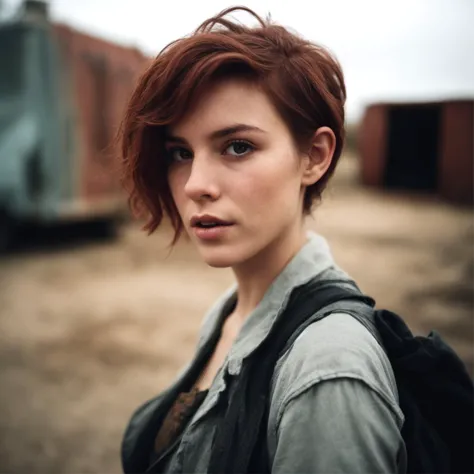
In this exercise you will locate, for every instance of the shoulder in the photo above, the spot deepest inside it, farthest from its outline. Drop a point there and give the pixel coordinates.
(333, 405)
(337, 347)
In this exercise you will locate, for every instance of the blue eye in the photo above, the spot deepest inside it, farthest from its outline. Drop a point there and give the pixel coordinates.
(179, 154)
(239, 148)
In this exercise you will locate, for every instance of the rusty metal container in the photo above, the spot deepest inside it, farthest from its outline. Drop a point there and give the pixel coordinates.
(99, 77)
(420, 147)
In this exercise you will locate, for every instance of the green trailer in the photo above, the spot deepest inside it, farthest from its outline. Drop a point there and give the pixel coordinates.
(62, 95)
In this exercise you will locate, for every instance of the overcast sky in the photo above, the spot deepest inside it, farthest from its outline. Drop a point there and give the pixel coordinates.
(389, 50)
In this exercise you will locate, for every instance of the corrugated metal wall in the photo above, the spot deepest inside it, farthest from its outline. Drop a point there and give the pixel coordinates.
(457, 152)
(372, 138)
(101, 78)
(453, 142)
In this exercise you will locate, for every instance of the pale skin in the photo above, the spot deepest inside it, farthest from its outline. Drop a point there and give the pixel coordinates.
(235, 158)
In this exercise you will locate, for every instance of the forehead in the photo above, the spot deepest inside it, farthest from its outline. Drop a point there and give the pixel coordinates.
(228, 102)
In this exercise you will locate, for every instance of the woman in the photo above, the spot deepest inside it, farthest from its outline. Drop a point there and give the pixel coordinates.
(233, 133)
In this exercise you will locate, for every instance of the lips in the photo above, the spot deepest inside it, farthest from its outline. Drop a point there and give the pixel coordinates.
(212, 229)
(208, 221)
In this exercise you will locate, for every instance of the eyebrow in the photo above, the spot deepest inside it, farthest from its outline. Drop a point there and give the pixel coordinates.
(222, 133)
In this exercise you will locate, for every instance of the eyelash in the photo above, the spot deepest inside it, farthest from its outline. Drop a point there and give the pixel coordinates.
(170, 152)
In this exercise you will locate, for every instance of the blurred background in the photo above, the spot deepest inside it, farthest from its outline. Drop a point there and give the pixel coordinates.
(93, 316)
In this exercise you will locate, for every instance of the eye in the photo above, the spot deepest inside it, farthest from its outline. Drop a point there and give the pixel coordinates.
(238, 148)
(179, 154)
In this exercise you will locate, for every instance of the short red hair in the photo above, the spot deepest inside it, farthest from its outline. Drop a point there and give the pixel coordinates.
(303, 81)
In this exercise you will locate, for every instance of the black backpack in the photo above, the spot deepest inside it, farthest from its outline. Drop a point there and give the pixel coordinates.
(435, 390)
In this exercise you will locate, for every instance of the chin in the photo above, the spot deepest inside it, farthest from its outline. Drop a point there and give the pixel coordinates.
(219, 261)
(221, 257)
(230, 254)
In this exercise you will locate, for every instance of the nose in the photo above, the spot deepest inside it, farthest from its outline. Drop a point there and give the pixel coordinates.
(202, 180)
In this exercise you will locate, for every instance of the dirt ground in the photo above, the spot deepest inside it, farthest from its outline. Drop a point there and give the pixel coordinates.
(89, 329)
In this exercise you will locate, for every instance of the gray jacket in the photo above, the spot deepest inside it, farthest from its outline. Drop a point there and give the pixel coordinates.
(334, 402)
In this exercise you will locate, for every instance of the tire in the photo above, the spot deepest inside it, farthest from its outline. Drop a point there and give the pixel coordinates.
(107, 229)
(6, 231)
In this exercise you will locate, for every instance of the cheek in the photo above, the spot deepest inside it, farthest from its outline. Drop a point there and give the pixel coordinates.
(176, 180)
(272, 188)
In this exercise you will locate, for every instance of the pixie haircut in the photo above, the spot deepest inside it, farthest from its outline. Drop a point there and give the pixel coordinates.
(303, 81)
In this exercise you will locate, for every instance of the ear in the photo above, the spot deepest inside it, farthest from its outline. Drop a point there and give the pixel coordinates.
(319, 156)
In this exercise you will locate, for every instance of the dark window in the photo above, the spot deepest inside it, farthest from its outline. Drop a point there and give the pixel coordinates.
(11, 61)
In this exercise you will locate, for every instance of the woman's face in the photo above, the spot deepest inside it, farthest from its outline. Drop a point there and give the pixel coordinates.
(234, 163)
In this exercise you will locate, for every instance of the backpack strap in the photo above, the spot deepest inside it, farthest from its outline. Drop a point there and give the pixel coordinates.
(352, 302)
(239, 443)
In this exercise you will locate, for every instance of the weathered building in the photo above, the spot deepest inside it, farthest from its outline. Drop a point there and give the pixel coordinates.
(420, 146)
(62, 96)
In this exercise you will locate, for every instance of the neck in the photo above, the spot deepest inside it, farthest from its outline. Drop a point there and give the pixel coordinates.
(255, 276)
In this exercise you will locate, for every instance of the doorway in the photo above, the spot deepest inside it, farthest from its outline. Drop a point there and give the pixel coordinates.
(413, 150)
